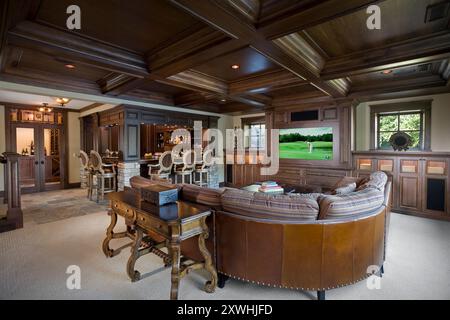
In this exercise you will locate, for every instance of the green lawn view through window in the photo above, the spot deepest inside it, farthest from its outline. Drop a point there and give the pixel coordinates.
(390, 123)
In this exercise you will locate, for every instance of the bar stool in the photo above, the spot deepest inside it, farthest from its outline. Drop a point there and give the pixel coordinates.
(163, 169)
(103, 172)
(203, 169)
(188, 167)
(84, 170)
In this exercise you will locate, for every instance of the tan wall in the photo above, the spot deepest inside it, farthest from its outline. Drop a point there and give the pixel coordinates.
(2, 145)
(440, 122)
(74, 147)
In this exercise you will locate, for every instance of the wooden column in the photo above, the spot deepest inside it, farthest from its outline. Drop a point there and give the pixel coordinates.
(14, 216)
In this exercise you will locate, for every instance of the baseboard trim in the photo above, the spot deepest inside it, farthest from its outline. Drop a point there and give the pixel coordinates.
(74, 185)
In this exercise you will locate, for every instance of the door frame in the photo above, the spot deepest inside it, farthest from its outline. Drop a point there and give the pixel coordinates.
(10, 137)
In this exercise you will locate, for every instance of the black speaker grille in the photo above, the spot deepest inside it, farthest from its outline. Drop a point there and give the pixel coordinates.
(309, 115)
(436, 194)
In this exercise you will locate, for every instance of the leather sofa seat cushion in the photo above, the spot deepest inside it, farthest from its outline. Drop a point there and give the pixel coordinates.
(351, 204)
(261, 205)
(206, 196)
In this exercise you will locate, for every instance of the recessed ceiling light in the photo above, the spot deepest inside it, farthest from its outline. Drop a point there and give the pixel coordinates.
(235, 66)
(223, 100)
(70, 66)
(387, 71)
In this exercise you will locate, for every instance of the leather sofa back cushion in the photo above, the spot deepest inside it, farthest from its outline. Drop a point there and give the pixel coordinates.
(257, 204)
(206, 196)
(352, 204)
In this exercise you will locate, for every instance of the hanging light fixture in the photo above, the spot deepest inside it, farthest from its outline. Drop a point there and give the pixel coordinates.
(62, 101)
(45, 108)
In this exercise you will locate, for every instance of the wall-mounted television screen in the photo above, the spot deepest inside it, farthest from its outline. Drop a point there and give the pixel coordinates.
(306, 143)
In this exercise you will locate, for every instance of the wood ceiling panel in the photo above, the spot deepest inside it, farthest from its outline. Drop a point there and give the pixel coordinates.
(400, 20)
(137, 25)
(248, 59)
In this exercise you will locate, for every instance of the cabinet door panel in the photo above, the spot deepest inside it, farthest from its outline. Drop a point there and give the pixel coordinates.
(410, 192)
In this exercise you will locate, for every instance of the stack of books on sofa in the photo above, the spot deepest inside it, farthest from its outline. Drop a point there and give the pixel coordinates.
(270, 187)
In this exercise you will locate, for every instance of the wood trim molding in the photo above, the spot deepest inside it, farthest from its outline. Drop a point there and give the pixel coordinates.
(424, 106)
(252, 120)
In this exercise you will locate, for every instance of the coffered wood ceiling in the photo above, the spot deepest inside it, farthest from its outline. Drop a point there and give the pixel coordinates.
(180, 52)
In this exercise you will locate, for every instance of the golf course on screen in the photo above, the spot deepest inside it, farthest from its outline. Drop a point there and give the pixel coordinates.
(306, 143)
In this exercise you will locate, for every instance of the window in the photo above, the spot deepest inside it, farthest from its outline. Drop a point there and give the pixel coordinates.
(254, 132)
(412, 117)
(391, 123)
(257, 136)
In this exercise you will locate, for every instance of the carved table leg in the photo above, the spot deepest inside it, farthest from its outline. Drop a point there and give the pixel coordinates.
(210, 285)
(174, 249)
(133, 274)
(168, 260)
(109, 235)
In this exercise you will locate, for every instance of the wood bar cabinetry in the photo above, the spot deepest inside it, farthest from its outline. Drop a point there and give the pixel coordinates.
(421, 183)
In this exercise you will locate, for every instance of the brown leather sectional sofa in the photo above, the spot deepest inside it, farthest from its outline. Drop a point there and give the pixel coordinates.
(290, 251)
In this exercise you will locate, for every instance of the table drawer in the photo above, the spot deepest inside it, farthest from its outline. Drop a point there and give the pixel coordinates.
(144, 221)
(123, 210)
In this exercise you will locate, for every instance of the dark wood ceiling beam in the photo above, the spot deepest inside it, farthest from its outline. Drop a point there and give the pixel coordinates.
(414, 51)
(192, 99)
(37, 77)
(77, 49)
(192, 50)
(237, 108)
(113, 81)
(193, 80)
(397, 85)
(185, 47)
(274, 80)
(254, 100)
(4, 8)
(149, 96)
(301, 98)
(319, 13)
(220, 16)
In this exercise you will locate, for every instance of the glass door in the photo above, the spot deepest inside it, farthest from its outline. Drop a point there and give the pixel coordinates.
(25, 138)
(41, 166)
(51, 157)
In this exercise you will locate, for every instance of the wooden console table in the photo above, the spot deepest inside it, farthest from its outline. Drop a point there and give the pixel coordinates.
(172, 223)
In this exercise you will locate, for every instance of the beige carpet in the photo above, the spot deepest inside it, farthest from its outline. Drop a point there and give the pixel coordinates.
(33, 262)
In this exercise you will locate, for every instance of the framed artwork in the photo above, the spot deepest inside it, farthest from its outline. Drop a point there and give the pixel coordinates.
(38, 116)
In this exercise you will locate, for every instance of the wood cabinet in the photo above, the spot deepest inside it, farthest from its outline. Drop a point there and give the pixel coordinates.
(421, 182)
